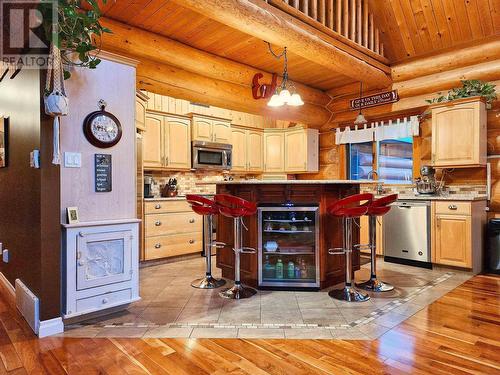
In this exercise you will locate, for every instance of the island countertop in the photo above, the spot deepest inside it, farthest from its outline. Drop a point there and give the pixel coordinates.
(288, 182)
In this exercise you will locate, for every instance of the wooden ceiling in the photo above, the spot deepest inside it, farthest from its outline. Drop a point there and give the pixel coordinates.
(168, 19)
(412, 28)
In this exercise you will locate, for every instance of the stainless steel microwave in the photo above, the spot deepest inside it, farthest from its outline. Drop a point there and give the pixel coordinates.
(209, 155)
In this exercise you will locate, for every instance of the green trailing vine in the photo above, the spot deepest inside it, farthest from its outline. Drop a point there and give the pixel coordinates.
(78, 32)
(471, 87)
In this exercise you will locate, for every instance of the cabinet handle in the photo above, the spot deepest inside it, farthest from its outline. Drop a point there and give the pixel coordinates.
(157, 246)
(158, 206)
(452, 207)
(104, 301)
(191, 221)
(81, 263)
(191, 241)
(166, 160)
(158, 223)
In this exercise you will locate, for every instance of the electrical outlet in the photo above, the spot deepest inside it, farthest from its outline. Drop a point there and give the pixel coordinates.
(5, 256)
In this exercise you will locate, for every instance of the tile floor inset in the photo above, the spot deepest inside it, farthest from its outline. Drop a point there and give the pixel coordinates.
(170, 307)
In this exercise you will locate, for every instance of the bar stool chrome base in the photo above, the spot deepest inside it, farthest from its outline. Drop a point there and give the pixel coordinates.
(208, 282)
(349, 294)
(375, 285)
(238, 291)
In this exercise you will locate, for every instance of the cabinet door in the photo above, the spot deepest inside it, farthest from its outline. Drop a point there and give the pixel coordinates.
(455, 135)
(152, 142)
(239, 142)
(274, 152)
(140, 114)
(295, 151)
(202, 129)
(255, 152)
(453, 240)
(221, 131)
(364, 234)
(177, 144)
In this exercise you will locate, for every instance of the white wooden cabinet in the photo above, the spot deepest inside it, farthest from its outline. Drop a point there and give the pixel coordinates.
(274, 151)
(209, 129)
(167, 142)
(140, 110)
(459, 133)
(248, 153)
(100, 266)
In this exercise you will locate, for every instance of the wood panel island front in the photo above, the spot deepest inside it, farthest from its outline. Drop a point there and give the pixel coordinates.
(291, 232)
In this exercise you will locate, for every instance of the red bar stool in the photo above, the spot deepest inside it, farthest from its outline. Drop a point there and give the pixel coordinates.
(378, 207)
(348, 209)
(237, 208)
(206, 207)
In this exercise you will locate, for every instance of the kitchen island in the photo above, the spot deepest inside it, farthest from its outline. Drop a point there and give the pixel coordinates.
(291, 232)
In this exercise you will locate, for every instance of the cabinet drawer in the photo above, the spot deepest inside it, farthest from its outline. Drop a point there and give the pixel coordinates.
(162, 224)
(453, 208)
(160, 207)
(102, 301)
(168, 246)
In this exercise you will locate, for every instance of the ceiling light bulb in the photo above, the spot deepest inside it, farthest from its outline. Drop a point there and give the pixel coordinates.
(295, 100)
(285, 96)
(360, 120)
(275, 101)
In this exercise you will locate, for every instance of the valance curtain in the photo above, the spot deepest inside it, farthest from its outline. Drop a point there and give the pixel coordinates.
(393, 129)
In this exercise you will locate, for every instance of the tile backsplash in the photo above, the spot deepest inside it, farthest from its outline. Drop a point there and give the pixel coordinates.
(187, 181)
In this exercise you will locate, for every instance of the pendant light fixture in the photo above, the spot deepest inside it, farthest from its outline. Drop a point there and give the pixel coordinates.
(360, 119)
(285, 93)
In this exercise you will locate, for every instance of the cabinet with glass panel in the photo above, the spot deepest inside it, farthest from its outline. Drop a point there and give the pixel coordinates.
(288, 247)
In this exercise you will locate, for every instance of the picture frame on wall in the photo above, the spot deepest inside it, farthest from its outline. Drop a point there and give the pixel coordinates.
(4, 141)
(73, 216)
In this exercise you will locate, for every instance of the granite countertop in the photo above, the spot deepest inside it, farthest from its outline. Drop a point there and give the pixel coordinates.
(288, 182)
(177, 198)
(452, 197)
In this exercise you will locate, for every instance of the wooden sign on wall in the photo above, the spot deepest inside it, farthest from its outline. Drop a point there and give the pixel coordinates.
(103, 177)
(374, 100)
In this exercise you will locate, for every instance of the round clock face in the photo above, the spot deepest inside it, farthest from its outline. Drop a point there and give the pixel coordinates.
(102, 129)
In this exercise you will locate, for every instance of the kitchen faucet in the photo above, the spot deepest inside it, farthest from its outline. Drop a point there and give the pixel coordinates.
(379, 189)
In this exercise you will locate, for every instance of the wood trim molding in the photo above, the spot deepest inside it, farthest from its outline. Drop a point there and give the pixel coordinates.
(7, 290)
(50, 327)
(111, 56)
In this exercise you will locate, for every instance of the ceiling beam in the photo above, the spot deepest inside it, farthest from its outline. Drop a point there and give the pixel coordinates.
(141, 44)
(261, 20)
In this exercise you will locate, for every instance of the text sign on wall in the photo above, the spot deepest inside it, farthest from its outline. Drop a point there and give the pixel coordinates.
(374, 100)
(103, 175)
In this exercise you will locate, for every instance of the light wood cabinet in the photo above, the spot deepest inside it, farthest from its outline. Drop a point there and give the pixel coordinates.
(247, 150)
(140, 110)
(301, 150)
(457, 234)
(364, 234)
(167, 142)
(274, 151)
(209, 129)
(459, 133)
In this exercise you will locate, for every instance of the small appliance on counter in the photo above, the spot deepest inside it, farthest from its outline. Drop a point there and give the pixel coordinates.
(426, 184)
(170, 189)
(148, 186)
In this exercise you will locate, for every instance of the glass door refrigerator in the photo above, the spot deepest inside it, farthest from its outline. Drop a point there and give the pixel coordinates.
(288, 247)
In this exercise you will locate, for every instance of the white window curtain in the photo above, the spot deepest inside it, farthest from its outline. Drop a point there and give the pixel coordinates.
(393, 129)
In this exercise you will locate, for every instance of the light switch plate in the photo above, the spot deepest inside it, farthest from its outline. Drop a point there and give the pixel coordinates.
(72, 159)
(5, 256)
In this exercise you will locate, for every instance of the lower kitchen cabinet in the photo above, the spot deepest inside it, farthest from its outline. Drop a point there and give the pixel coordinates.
(171, 228)
(364, 234)
(458, 233)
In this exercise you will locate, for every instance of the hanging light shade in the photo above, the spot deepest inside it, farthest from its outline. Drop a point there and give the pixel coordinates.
(295, 100)
(360, 119)
(275, 101)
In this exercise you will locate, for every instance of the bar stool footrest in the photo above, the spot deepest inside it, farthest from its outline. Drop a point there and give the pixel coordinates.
(337, 251)
(218, 245)
(366, 246)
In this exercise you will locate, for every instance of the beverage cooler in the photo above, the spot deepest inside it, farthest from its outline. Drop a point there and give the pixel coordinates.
(288, 247)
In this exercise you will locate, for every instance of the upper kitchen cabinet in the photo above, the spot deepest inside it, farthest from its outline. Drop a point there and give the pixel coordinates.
(140, 110)
(247, 150)
(459, 133)
(274, 151)
(208, 129)
(301, 150)
(167, 142)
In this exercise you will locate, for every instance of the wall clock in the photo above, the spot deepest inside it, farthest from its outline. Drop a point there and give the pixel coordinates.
(102, 129)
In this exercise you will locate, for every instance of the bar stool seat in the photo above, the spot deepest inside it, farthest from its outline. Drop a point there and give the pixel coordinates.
(237, 208)
(208, 208)
(348, 209)
(377, 207)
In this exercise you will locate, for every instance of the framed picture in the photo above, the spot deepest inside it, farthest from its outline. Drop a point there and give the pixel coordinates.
(4, 140)
(73, 217)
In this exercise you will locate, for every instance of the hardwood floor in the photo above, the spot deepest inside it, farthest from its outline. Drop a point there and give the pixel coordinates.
(457, 334)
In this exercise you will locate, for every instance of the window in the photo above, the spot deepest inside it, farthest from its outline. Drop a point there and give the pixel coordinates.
(391, 159)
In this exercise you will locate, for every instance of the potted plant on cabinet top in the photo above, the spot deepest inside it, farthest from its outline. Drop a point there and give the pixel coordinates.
(470, 88)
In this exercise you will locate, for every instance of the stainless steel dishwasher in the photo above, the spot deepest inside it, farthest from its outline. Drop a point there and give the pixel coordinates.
(407, 233)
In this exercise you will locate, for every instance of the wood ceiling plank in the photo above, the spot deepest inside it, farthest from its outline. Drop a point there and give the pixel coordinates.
(452, 20)
(495, 14)
(463, 20)
(423, 26)
(483, 8)
(403, 27)
(148, 11)
(409, 18)
(432, 25)
(442, 22)
(474, 19)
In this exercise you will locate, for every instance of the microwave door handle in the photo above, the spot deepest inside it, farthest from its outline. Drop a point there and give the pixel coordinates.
(225, 157)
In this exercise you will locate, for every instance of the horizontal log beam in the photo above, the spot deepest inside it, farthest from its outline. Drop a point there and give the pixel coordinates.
(141, 44)
(179, 83)
(265, 22)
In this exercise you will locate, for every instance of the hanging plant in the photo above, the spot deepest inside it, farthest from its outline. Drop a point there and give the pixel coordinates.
(471, 87)
(78, 32)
